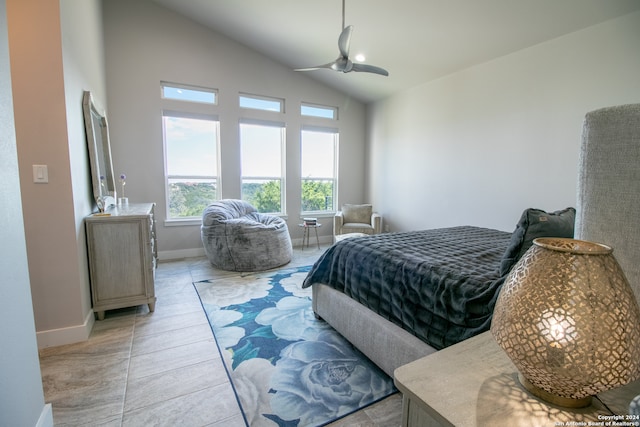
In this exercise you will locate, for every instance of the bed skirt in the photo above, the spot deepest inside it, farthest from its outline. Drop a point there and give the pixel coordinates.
(386, 344)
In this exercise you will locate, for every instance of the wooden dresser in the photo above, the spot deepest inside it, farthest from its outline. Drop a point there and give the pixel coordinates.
(122, 251)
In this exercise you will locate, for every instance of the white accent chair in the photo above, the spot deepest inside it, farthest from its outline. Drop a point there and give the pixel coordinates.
(357, 219)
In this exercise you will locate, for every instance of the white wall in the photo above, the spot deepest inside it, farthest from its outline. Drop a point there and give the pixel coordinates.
(41, 129)
(146, 43)
(481, 145)
(56, 52)
(83, 67)
(21, 395)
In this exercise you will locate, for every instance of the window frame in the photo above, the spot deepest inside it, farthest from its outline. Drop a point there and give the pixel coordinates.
(170, 220)
(334, 110)
(336, 141)
(283, 161)
(279, 101)
(165, 84)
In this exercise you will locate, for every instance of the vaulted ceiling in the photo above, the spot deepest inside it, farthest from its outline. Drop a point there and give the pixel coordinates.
(415, 40)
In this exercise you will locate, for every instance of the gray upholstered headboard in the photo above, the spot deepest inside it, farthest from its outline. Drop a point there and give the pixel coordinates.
(608, 202)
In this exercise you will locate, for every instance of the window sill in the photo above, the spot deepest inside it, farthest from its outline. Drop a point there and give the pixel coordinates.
(182, 222)
(317, 215)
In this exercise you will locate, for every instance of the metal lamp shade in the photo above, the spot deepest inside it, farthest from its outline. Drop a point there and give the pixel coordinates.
(568, 319)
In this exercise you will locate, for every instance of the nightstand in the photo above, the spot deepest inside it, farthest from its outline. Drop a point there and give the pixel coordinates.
(474, 383)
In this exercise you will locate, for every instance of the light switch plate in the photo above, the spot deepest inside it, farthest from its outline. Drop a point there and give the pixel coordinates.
(40, 174)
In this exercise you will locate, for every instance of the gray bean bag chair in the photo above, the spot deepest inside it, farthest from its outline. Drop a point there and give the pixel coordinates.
(237, 237)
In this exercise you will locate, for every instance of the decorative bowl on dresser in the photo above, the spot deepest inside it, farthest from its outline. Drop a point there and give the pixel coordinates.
(122, 250)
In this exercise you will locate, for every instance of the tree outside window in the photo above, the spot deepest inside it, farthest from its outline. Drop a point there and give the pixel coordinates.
(318, 167)
(261, 146)
(191, 163)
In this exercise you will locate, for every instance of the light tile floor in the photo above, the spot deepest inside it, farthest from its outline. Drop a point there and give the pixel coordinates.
(162, 368)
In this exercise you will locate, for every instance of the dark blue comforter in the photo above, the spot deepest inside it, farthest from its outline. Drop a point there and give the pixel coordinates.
(441, 285)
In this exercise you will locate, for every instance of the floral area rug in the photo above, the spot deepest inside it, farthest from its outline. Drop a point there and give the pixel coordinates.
(287, 368)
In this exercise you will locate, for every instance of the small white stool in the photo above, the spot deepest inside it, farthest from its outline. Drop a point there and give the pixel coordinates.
(306, 232)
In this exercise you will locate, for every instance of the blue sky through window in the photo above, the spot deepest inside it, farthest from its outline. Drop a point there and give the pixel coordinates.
(261, 150)
(318, 111)
(193, 95)
(191, 146)
(318, 154)
(257, 103)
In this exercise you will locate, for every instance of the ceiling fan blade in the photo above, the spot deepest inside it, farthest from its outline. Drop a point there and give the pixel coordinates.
(345, 40)
(369, 69)
(330, 66)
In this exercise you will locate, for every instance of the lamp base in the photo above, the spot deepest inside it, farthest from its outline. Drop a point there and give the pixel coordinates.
(566, 402)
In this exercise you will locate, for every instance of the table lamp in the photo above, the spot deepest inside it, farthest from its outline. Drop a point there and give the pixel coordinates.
(568, 319)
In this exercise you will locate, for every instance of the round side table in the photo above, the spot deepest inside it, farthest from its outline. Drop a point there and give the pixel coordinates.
(306, 232)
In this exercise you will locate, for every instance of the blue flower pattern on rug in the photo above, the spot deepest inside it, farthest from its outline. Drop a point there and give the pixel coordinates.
(287, 367)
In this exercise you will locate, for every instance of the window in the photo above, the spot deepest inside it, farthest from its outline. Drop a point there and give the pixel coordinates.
(264, 103)
(191, 162)
(261, 153)
(188, 93)
(318, 167)
(321, 111)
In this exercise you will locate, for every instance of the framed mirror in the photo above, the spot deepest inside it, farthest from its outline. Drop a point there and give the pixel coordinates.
(104, 186)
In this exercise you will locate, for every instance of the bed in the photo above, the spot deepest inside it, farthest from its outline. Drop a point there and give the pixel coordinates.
(431, 288)
(437, 284)
(400, 296)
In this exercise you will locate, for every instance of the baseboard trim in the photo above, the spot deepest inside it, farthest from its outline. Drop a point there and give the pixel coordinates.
(46, 416)
(180, 254)
(69, 335)
(312, 241)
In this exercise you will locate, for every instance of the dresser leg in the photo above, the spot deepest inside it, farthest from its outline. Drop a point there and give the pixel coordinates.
(152, 306)
(100, 315)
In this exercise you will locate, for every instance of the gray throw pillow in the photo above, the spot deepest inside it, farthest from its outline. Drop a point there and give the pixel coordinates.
(536, 223)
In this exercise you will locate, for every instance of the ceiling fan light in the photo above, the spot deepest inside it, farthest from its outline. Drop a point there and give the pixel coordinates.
(360, 57)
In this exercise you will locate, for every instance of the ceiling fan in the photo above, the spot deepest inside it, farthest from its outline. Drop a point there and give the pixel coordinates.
(343, 64)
